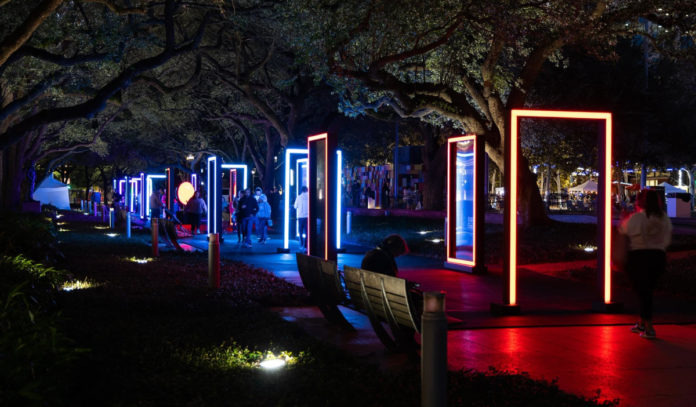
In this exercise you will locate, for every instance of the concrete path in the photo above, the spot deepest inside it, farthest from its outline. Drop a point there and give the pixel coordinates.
(557, 336)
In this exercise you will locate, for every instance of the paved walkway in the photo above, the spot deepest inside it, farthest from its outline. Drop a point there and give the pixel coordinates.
(557, 337)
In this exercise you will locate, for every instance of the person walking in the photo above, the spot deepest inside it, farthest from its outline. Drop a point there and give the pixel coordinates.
(301, 206)
(248, 207)
(195, 208)
(156, 203)
(649, 232)
(263, 216)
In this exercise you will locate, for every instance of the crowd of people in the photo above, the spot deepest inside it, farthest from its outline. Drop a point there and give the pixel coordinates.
(371, 196)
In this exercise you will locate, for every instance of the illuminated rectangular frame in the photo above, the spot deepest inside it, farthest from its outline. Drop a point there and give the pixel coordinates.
(511, 195)
(245, 175)
(148, 181)
(288, 183)
(135, 187)
(143, 196)
(451, 209)
(302, 162)
(311, 139)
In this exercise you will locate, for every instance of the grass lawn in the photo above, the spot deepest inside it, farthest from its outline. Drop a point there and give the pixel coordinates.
(152, 334)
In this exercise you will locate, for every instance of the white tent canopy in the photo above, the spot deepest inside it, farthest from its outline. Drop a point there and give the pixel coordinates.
(53, 192)
(586, 187)
(669, 188)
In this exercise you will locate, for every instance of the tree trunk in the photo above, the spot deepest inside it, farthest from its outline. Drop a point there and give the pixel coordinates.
(435, 169)
(530, 205)
(12, 176)
(268, 174)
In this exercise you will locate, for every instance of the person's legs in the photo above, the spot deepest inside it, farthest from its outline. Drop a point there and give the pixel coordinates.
(303, 232)
(263, 223)
(248, 224)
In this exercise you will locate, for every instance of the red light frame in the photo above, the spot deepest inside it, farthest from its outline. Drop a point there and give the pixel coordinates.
(511, 195)
(310, 140)
(232, 192)
(451, 207)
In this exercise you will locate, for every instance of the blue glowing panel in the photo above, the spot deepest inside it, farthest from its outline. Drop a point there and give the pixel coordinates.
(153, 181)
(464, 202)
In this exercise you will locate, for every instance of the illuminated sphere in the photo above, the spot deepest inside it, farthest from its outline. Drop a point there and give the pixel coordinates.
(185, 192)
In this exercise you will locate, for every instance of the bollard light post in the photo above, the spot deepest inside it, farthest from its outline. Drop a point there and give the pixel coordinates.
(154, 225)
(105, 215)
(434, 350)
(349, 216)
(214, 260)
(96, 207)
(128, 225)
(112, 218)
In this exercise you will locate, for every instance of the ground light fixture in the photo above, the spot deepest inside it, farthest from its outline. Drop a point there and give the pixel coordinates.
(112, 234)
(604, 215)
(272, 364)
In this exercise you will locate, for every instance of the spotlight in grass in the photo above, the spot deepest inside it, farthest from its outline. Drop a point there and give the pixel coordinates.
(112, 234)
(140, 261)
(589, 249)
(101, 227)
(63, 230)
(272, 364)
(61, 223)
(78, 285)
(436, 240)
(59, 216)
(423, 232)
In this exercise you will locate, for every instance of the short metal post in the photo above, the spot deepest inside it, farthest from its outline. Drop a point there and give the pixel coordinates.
(214, 260)
(349, 216)
(128, 225)
(112, 218)
(434, 350)
(154, 225)
(82, 205)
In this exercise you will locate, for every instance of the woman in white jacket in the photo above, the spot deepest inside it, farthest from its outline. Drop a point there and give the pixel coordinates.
(649, 231)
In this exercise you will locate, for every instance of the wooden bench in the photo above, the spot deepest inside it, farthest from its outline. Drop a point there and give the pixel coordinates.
(385, 299)
(322, 280)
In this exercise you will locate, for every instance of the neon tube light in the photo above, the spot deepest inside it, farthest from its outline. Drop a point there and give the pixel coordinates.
(339, 173)
(516, 114)
(310, 139)
(300, 164)
(194, 181)
(133, 191)
(142, 195)
(212, 188)
(286, 185)
(245, 172)
(451, 206)
(149, 179)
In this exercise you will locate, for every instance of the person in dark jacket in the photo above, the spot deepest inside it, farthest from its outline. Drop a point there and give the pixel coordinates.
(247, 212)
(382, 258)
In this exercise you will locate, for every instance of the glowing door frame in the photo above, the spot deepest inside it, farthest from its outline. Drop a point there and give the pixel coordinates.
(450, 230)
(148, 181)
(329, 223)
(245, 171)
(135, 187)
(604, 247)
(290, 177)
(299, 164)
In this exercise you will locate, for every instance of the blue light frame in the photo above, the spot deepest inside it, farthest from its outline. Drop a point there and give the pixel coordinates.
(244, 167)
(291, 180)
(148, 180)
(143, 197)
(299, 164)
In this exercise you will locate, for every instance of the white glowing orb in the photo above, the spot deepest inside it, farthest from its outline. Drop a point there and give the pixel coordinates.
(272, 364)
(185, 192)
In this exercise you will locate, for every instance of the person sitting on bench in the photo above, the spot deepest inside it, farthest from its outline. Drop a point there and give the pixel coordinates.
(382, 259)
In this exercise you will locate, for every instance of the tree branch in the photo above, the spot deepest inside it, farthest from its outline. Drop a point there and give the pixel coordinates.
(22, 33)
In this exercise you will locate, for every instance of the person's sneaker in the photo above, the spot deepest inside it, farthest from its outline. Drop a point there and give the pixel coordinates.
(638, 328)
(648, 334)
